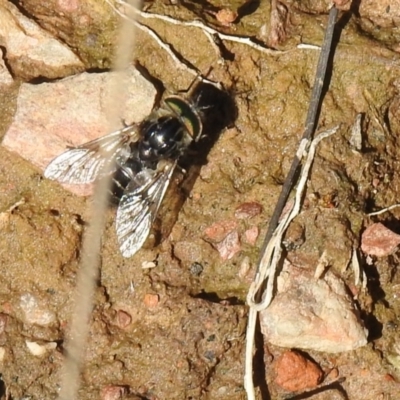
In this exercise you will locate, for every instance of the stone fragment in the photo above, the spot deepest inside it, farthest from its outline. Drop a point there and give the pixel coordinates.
(32, 52)
(251, 235)
(113, 392)
(52, 116)
(123, 319)
(248, 210)
(151, 300)
(296, 373)
(226, 17)
(3, 322)
(312, 314)
(229, 246)
(6, 79)
(379, 241)
(40, 349)
(219, 230)
(35, 311)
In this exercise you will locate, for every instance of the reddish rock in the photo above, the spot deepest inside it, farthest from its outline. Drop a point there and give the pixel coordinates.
(224, 237)
(226, 17)
(248, 210)
(123, 319)
(278, 24)
(229, 246)
(251, 235)
(112, 392)
(219, 230)
(295, 373)
(379, 241)
(151, 300)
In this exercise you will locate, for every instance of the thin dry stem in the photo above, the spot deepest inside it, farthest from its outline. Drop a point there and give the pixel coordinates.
(383, 210)
(128, 11)
(76, 346)
(271, 257)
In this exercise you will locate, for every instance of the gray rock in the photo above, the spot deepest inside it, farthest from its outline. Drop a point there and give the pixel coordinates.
(313, 314)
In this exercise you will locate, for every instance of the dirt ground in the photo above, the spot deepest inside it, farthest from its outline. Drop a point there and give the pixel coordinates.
(177, 331)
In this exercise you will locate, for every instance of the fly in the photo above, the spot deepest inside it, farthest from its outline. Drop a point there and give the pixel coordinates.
(146, 156)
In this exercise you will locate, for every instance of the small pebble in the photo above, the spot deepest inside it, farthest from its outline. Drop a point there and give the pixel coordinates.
(123, 319)
(38, 349)
(379, 241)
(248, 210)
(113, 392)
(2, 353)
(296, 373)
(226, 17)
(151, 300)
(229, 246)
(196, 269)
(35, 311)
(251, 235)
(219, 230)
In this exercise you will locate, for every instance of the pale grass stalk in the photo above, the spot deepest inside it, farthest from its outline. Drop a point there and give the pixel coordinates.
(90, 262)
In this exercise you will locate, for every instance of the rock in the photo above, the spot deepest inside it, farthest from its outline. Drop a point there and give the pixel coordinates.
(113, 392)
(313, 314)
(251, 235)
(32, 52)
(123, 319)
(36, 312)
(39, 350)
(3, 322)
(248, 210)
(151, 300)
(69, 112)
(379, 241)
(220, 230)
(296, 373)
(229, 246)
(6, 79)
(87, 26)
(189, 252)
(224, 237)
(383, 13)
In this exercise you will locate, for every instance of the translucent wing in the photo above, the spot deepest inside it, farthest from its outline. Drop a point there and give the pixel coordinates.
(138, 207)
(83, 164)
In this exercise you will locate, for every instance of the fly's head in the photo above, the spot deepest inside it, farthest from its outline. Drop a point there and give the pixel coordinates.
(187, 113)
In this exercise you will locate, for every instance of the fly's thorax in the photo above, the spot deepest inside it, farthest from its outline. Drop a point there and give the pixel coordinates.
(163, 137)
(187, 114)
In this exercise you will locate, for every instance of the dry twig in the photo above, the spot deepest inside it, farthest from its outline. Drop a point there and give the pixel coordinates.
(271, 257)
(257, 298)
